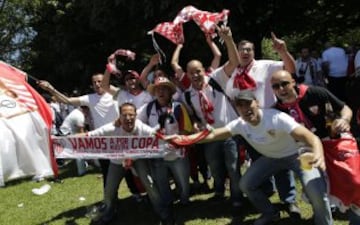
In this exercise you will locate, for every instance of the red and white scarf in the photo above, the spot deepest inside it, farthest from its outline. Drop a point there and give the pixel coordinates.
(294, 109)
(206, 107)
(242, 79)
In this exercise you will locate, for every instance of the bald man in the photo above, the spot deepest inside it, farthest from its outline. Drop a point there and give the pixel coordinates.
(318, 107)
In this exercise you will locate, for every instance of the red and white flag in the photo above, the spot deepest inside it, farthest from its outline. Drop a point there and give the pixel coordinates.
(207, 21)
(171, 31)
(25, 122)
(185, 15)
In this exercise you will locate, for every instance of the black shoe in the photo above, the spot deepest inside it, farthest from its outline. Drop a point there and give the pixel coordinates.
(293, 210)
(267, 219)
(236, 209)
(217, 197)
(168, 221)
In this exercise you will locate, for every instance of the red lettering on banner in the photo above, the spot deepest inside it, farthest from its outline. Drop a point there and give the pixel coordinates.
(134, 140)
(81, 144)
(155, 144)
(144, 143)
(73, 143)
(88, 143)
(112, 143)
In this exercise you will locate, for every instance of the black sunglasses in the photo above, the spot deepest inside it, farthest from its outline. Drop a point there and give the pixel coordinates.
(281, 84)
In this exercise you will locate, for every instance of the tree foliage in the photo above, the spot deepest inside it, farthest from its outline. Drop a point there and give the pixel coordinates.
(16, 33)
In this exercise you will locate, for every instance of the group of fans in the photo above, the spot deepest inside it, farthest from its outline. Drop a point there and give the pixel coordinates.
(257, 105)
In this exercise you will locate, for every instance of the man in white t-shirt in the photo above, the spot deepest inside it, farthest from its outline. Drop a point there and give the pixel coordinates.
(335, 64)
(357, 63)
(103, 108)
(209, 105)
(255, 75)
(128, 125)
(133, 91)
(74, 123)
(277, 136)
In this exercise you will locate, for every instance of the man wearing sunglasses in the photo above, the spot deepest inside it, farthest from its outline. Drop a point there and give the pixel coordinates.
(310, 105)
(316, 108)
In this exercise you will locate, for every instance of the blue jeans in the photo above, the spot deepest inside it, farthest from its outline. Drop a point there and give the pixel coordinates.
(354, 219)
(312, 181)
(143, 170)
(283, 181)
(180, 170)
(223, 159)
(115, 173)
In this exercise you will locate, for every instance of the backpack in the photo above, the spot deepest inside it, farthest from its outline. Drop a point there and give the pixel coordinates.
(58, 120)
(216, 86)
(162, 117)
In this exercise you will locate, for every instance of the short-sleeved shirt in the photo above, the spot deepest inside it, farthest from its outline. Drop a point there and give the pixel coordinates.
(110, 129)
(73, 122)
(138, 100)
(337, 59)
(357, 60)
(103, 108)
(261, 72)
(314, 103)
(223, 110)
(271, 137)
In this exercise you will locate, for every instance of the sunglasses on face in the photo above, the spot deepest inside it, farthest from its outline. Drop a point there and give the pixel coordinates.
(282, 84)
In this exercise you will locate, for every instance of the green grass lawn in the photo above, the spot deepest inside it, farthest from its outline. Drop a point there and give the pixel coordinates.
(69, 202)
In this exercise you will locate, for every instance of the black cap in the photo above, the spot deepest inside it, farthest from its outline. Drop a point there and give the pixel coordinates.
(245, 95)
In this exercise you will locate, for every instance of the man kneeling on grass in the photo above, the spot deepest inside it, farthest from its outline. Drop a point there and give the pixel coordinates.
(128, 125)
(277, 136)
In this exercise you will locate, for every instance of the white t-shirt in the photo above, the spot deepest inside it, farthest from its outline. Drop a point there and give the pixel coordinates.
(138, 100)
(337, 59)
(73, 122)
(103, 108)
(261, 72)
(357, 60)
(223, 111)
(271, 137)
(140, 129)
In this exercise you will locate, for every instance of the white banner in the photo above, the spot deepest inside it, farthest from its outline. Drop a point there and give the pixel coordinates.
(111, 147)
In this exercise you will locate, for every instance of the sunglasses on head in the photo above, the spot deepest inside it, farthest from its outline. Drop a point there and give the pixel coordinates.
(281, 84)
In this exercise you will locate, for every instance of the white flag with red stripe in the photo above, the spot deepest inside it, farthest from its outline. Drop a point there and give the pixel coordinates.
(25, 121)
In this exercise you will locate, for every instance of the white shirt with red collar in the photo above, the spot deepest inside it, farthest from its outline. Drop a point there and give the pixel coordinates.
(261, 72)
